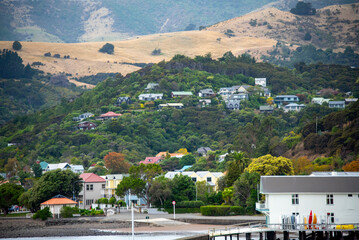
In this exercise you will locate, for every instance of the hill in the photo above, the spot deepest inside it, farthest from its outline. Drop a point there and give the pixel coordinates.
(333, 27)
(85, 59)
(142, 130)
(95, 20)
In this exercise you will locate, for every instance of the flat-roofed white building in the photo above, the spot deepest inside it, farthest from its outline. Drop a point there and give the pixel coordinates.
(333, 197)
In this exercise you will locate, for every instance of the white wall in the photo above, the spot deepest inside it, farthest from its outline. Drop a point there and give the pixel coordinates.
(345, 209)
(94, 194)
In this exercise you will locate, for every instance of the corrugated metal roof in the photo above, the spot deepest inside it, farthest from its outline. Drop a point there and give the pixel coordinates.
(309, 184)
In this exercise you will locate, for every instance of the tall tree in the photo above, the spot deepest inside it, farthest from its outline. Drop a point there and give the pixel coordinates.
(37, 170)
(237, 162)
(53, 183)
(116, 163)
(9, 194)
(269, 165)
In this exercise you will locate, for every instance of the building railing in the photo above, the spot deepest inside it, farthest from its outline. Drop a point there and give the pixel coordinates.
(258, 228)
(261, 206)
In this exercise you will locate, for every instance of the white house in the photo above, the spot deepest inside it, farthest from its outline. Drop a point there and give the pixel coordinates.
(333, 197)
(65, 166)
(56, 203)
(320, 100)
(150, 96)
(261, 81)
(293, 107)
(91, 191)
(336, 104)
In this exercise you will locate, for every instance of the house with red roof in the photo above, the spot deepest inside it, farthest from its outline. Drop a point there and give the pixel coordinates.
(152, 160)
(109, 115)
(91, 191)
(56, 203)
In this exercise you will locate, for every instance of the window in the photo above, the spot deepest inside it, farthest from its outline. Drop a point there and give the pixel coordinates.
(103, 186)
(89, 187)
(194, 179)
(350, 195)
(89, 201)
(295, 199)
(295, 213)
(330, 199)
(330, 217)
(209, 179)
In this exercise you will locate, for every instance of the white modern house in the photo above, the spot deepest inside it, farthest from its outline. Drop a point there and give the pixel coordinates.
(261, 81)
(332, 196)
(64, 166)
(150, 96)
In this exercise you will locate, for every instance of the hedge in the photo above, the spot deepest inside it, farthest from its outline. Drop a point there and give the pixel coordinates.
(183, 210)
(190, 204)
(221, 210)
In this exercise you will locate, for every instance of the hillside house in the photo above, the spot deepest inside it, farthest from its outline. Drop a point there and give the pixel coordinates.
(150, 96)
(65, 166)
(43, 166)
(319, 100)
(205, 102)
(86, 125)
(109, 115)
(233, 104)
(164, 154)
(56, 203)
(226, 92)
(121, 100)
(202, 151)
(260, 81)
(280, 99)
(151, 160)
(238, 96)
(91, 191)
(336, 104)
(208, 92)
(266, 109)
(293, 107)
(350, 100)
(171, 105)
(181, 94)
(333, 197)
(83, 116)
(209, 177)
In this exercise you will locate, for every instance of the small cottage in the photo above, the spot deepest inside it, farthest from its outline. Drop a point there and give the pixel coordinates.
(56, 203)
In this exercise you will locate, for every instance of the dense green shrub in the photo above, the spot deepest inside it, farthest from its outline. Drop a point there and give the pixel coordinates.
(121, 203)
(213, 210)
(67, 212)
(43, 214)
(237, 210)
(102, 201)
(112, 200)
(107, 48)
(16, 45)
(190, 204)
(183, 210)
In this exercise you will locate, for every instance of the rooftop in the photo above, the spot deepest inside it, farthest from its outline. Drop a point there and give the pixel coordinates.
(91, 177)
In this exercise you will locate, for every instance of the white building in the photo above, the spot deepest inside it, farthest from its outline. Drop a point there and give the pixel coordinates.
(333, 197)
(91, 191)
(65, 166)
(150, 96)
(261, 81)
(293, 107)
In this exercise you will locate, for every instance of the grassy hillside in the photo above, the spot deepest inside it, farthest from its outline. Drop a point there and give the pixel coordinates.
(85, 59)
(332, 27)
(143, 131)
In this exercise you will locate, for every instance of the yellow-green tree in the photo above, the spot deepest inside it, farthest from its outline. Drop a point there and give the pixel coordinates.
(269, 165)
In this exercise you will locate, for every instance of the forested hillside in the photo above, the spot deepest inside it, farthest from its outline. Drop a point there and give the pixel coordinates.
(142, 130)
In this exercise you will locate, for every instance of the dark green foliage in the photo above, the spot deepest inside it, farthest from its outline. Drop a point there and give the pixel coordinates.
(156, 51)
(9, 194)
(56, 55)
(183, 188)
(67, 212)
(99, 77)
(11, 66)
(107, 48)
(43, 214)
(213, 210)
(37, 170)
(53, 183)
(245, 190)
(48, 54)
(229, 33)
(303, 8)
(188, 159)
(183, 210)
(112, 200)
(253, 22)
(189, 204)
(16, 46)
(237, 210)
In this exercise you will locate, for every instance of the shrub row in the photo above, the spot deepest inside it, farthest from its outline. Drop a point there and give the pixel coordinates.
(183, 210)
(190, 204)
(221, 210)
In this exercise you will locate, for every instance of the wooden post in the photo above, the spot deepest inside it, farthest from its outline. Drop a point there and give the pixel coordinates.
(286, 235)
(248, 236)
(230, 237)
(314, 235)
(237, 236)
(260, 236)
(271, 235)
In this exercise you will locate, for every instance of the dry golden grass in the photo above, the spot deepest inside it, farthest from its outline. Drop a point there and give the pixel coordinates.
(90, 61)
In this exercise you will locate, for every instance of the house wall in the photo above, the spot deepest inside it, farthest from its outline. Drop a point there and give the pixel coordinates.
(94, 194)
(55, 209)
(345, 209)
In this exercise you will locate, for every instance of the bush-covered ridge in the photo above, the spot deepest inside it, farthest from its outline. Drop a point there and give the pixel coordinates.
(140, 132)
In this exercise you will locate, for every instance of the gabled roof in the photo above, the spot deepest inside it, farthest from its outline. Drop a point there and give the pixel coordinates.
(91, 177)
(111, 114)
(58, 201)
(115, 176)
(151, 160)
(43, 165)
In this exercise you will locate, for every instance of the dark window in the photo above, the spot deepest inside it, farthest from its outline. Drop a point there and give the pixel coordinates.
(350, 195)
(194, 179)
(330, 217)
(295, 199)
(330, 199)
(209, 179)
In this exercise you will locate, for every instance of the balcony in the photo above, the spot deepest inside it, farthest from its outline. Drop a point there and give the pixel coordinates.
(262, 207)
